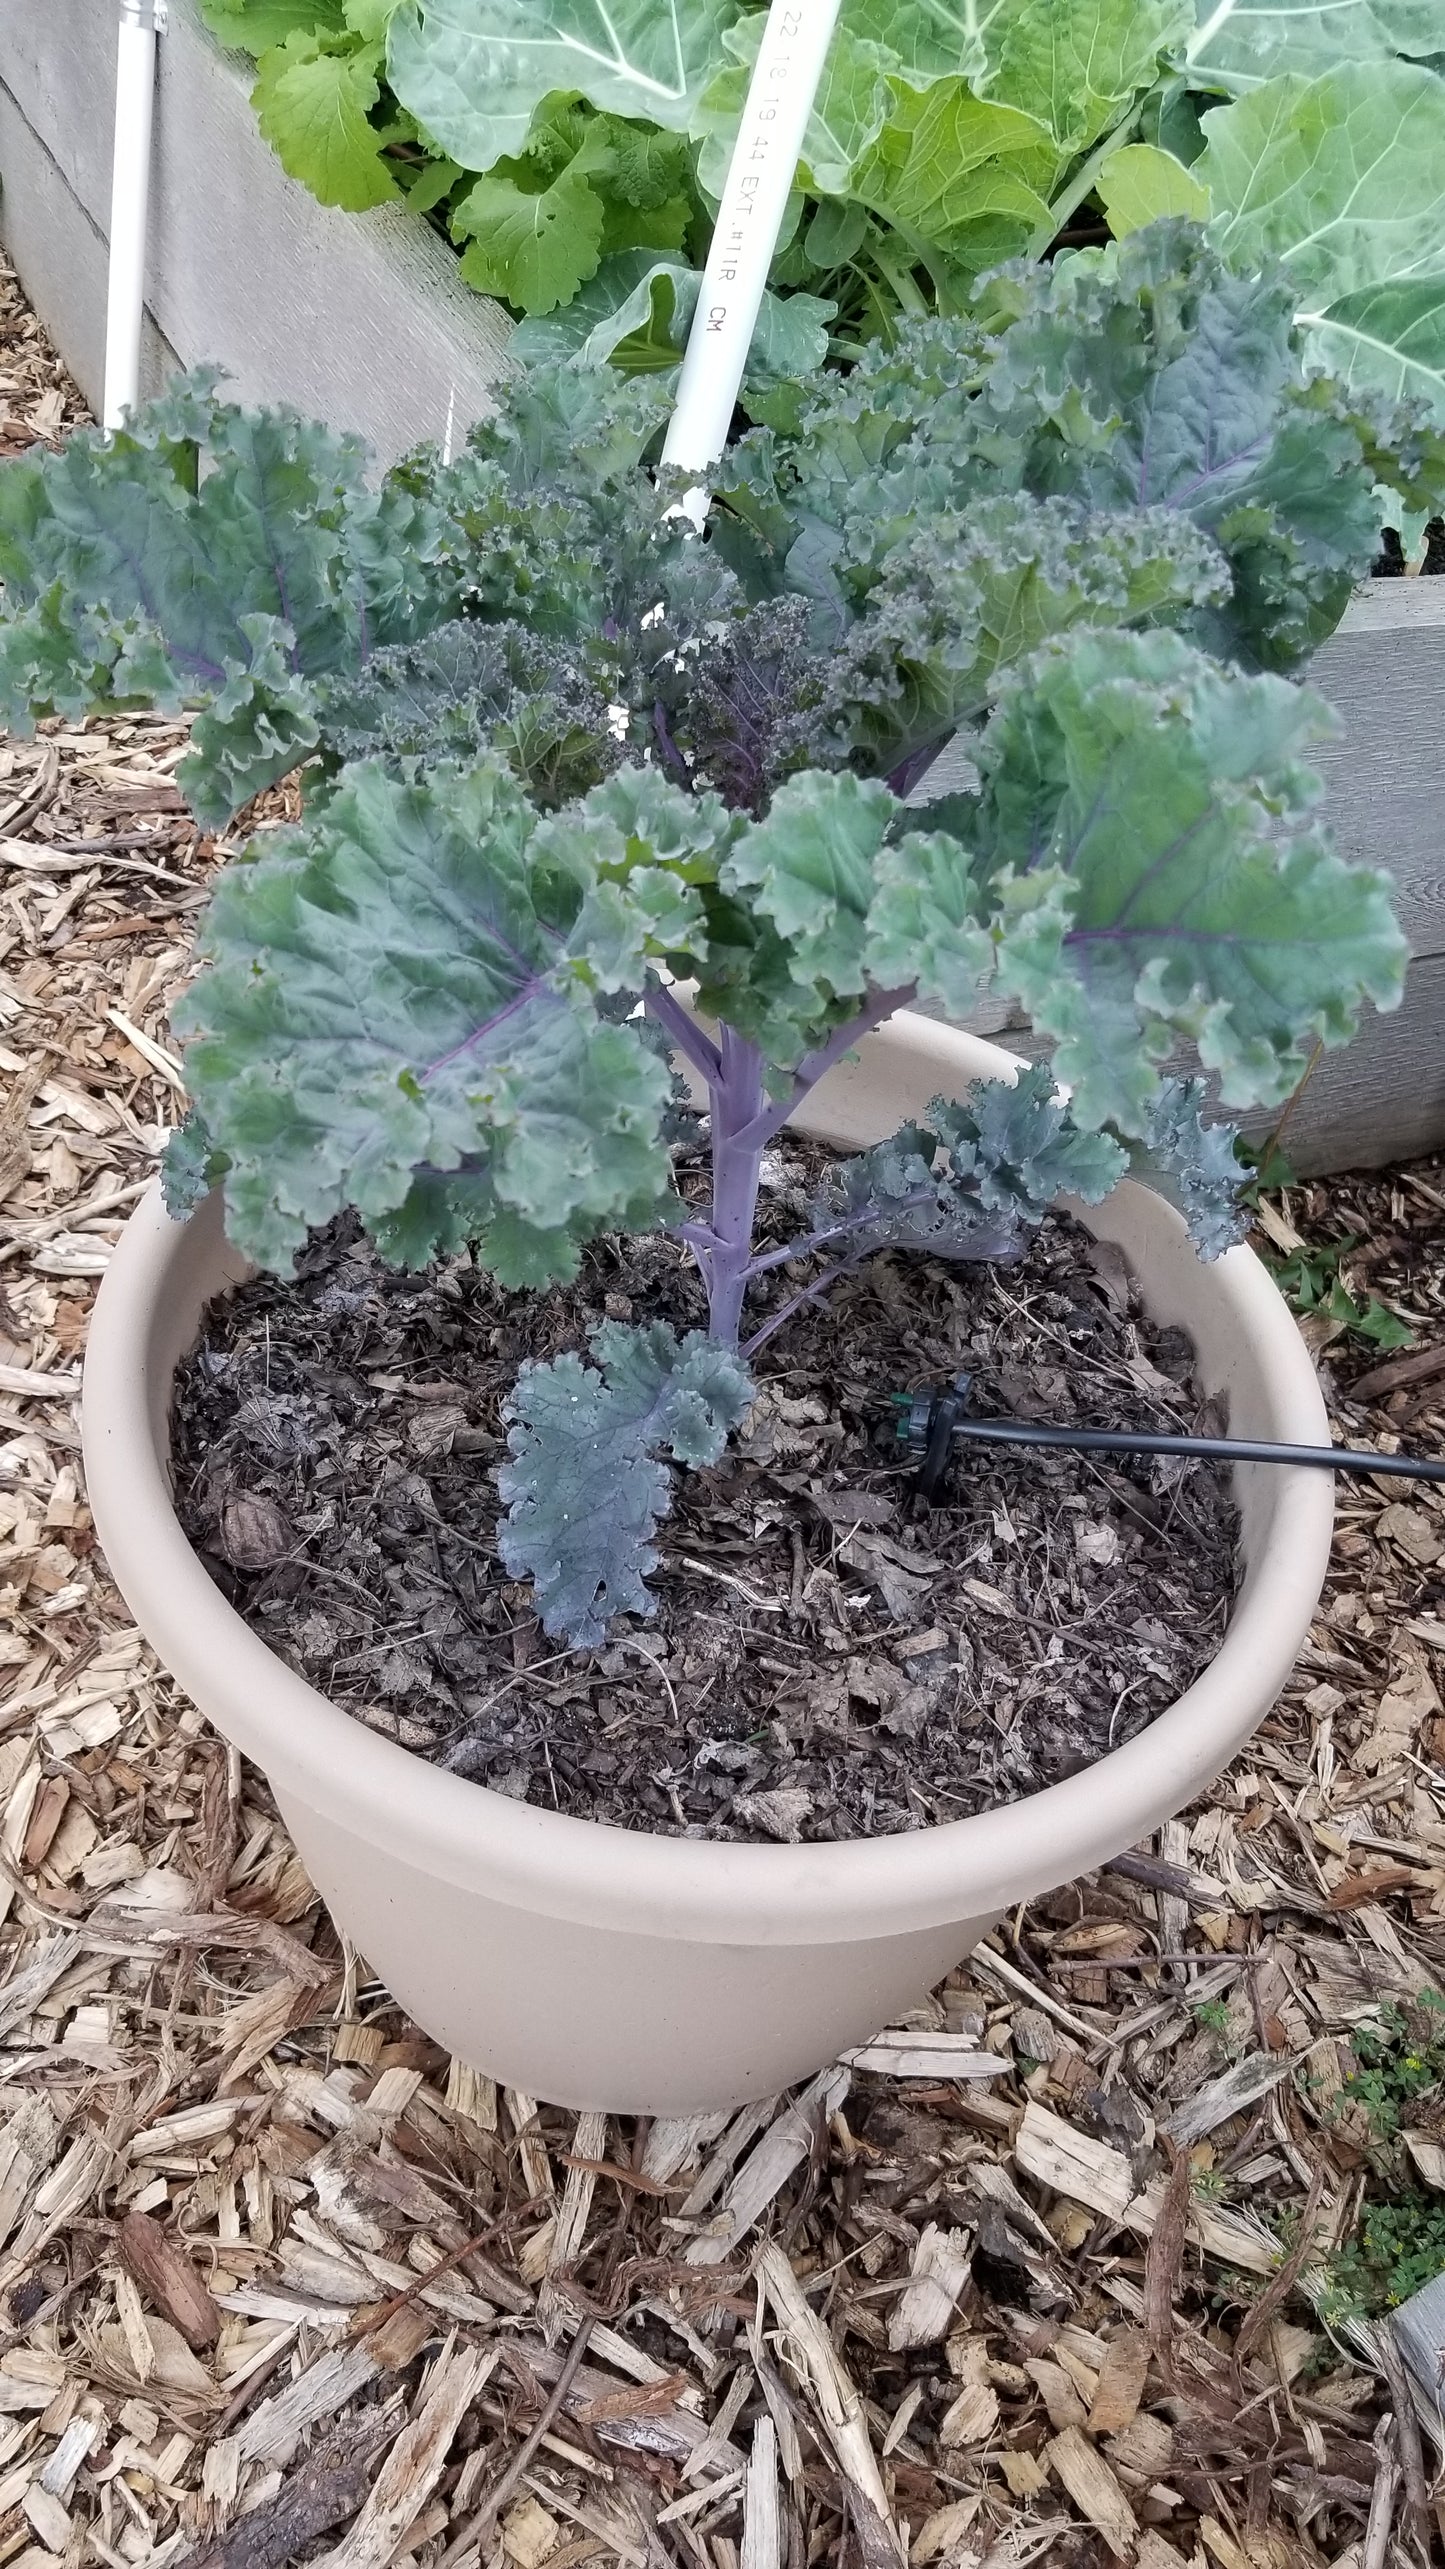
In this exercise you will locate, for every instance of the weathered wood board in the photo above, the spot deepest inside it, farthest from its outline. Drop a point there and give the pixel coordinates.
(361, 319)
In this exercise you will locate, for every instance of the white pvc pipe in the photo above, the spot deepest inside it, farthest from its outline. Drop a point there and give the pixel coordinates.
(135, 77)
(750, 216)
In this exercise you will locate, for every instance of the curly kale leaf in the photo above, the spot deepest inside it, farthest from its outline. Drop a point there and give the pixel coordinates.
(1194, 1164)
(190, 1166)
(969, 595)
(983, 1168)
(133, 575)
(1153, 870)
(468, 687)
(586, 1489)
(387, 1023)
(1150, 375)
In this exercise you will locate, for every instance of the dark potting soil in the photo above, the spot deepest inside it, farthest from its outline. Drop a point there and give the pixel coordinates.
(826, 1662)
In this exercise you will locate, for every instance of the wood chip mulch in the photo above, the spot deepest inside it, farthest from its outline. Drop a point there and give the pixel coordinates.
(280, 2280)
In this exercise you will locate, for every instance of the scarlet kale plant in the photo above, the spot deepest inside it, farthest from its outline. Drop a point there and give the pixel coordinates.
(586, 793)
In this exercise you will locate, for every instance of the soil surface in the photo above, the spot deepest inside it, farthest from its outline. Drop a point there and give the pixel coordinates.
(827, 1660)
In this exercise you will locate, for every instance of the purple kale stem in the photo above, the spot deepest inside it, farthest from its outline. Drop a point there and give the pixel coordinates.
(685, 1033)
(737, 1097)
(878, 1006)
(806, 1293)
(867, 1218)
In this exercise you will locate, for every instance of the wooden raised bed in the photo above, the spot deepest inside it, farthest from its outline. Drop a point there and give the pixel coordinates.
(362, 320)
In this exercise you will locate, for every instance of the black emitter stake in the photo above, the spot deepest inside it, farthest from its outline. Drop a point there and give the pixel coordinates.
(930, 1424)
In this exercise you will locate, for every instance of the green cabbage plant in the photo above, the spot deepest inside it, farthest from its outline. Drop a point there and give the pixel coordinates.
(590, 799)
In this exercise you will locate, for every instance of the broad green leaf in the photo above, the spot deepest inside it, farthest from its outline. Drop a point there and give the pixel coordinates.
(472, 71)
(533, 246)
(849, 111)
(636, 312)
(1342, 177)
(1238, 43)
(1077, 64)
(1138, 183)
(380, 1011)
(959, 172)
(585, 1489)
(254, 26)
(369, 19)
(312, 105)
(1072, 64)
(1147, 818)
(1387, 338)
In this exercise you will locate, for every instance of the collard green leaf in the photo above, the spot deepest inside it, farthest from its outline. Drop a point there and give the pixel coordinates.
(586, 1489)
(1076, 64)
(533, 245)
(1341, 177)
(131, 574)
(381, 1012)
(586, 186)
(849, 111)
(313, 100)
(1237, 44)
(1147, 818)
(253, 26)
(1140, 184)
(959, 173)
(1388, 338)
(472, 71)
(1194, 1164)
(637, 311)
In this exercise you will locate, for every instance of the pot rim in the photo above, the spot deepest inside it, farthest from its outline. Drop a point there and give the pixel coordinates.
(590, 1870)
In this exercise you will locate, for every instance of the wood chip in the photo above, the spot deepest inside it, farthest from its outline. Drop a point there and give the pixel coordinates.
(1094, 2489)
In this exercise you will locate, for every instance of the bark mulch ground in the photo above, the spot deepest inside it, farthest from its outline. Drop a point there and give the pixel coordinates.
(279, 2280)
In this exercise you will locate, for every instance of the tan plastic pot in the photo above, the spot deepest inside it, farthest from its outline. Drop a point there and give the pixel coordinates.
(597, 1967)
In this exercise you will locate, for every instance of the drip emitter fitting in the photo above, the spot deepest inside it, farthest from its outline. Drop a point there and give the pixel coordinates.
(932, 1424)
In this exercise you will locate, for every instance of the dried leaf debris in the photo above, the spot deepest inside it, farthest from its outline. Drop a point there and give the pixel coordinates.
(280, 2280)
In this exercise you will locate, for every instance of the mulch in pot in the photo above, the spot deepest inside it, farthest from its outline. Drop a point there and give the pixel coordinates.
(826, 1661)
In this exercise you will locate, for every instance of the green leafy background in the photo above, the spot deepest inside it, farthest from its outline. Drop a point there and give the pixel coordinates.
(573, 152)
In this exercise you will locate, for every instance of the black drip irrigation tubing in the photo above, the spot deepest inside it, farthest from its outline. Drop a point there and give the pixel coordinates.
(932, 1424)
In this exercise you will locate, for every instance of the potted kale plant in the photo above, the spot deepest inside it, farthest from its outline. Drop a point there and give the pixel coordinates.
(605, 822)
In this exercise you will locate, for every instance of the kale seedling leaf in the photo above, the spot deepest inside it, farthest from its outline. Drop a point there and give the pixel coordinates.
(1194, 1164)
(586, 1489)
(968, 1183)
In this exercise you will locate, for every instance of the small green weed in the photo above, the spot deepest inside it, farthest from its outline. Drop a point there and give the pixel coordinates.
(1397, 2062)
(1398, 2247)
(1212, 2016)
(1309, 1278)
(1310, 1281)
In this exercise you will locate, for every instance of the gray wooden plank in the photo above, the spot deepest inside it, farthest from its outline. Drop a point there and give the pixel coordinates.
(1384, 673)
(360, 319)
(61, 258)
